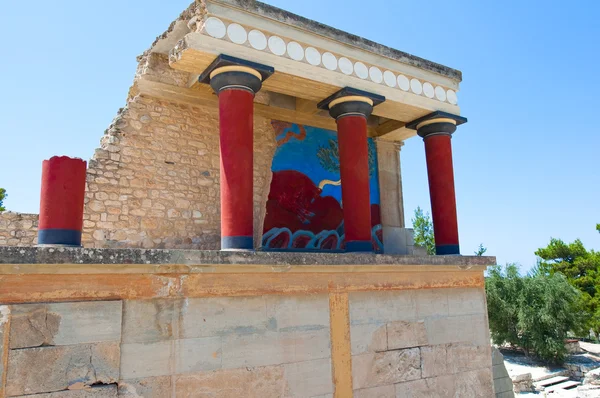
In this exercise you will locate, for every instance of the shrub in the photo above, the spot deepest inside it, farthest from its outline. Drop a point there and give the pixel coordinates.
(533, 312)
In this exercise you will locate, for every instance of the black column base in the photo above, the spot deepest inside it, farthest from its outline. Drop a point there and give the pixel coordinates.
(63, 237)
(359, 246)
(237, 243)
(447, 250)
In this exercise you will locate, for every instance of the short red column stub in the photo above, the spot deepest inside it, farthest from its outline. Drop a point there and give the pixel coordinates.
(62, 200)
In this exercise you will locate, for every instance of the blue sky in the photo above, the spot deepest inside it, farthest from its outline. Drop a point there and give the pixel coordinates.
(526, 164)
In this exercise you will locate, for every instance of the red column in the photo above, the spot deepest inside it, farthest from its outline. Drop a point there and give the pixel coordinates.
(354, 171)
(438, 150)
(236, 138)
(61, 201)
(236, 86)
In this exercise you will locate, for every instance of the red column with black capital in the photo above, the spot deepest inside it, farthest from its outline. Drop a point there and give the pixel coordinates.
(351, 113)
(236, 86)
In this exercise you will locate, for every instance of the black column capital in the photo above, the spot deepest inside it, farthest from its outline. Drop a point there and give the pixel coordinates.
(351, 101)
(436, 123)
(227, 72)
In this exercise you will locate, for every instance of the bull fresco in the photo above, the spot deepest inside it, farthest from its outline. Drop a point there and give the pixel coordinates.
(304, 207)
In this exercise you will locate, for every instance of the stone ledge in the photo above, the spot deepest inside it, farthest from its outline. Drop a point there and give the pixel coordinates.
(68, 255)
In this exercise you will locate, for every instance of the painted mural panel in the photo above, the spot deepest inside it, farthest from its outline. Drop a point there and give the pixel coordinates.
(304, 208)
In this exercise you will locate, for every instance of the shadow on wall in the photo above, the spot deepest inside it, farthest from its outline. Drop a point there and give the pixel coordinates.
(304, 208)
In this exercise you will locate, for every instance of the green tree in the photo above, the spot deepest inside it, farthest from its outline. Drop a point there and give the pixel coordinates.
(582, 269)
(480, 250)
(423, 231)
(534, 312)
(3, 196)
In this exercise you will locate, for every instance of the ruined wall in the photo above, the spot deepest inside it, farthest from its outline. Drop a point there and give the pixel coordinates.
(154, 182)
(18, 229)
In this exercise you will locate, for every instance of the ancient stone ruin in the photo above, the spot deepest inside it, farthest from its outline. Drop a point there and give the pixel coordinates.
(240, 231)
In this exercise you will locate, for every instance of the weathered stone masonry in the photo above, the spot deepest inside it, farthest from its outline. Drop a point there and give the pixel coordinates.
(154, 182)
(18, 229)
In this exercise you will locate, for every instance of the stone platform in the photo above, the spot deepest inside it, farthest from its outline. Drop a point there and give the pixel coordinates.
(177, 323)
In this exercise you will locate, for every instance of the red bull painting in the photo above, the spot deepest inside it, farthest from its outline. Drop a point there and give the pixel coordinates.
(304, 208)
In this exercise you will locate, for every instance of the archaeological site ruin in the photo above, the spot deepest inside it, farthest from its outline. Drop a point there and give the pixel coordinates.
(240, 231)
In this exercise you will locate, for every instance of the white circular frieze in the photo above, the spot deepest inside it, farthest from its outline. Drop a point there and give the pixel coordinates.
(215, 27)
(416, 86)
(361, 70)
(375, 74)
(237, 33)
(428, 90)
(330, 61)
(276, 45)
(389, 78)
(346, 66)
(313, 56)
(403, 82)
(440, 93)
(452, 98)
(295, 51)
(257, 39)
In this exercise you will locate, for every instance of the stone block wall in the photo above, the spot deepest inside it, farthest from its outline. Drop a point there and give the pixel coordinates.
(411, 343)
(422, 343)
(263, 346)
(18, 229)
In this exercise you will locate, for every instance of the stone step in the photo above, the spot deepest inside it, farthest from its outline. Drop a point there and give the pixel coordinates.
(562, 386)
(550, 381)
(564, 372)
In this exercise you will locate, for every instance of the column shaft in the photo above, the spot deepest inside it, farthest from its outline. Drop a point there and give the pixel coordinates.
(61, 201)
(236, 146)
(354, 171)
(438, 150)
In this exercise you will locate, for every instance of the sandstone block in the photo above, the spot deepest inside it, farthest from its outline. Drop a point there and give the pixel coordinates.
(431, 302)
(217, 316)
(139, 360)
(272, 348)
(402, 334)
(260, 382)
(434, 361)
(466, 301)
(463, 357)
(34, 325)
(499, 371)
(382, 307)
(291, 313)
(308, 379)
(475, 383)
(149, 321)
(94, 392)
(376, 392)
(151, 387)
(4, 323)
(50, 369)
(438, 387)
(384, 368)
(368, 338)
(503, 385)
(457, 329)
